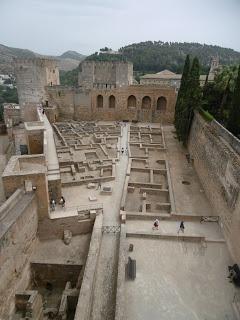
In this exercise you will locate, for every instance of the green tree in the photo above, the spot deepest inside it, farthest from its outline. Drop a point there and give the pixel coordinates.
(181, 95)
(191, 101)
(233, 124)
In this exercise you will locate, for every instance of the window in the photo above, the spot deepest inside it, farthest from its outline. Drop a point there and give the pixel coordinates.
(146, 102)
(131, 103)
(111, 101)
(99, 101)
(162, 104)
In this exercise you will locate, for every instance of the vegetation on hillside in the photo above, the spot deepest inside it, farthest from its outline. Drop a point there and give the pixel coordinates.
(217, 95)
(69, 78)
(233, 123)
(106, 57)
(219, 99)
(157, 55)
(7, 95)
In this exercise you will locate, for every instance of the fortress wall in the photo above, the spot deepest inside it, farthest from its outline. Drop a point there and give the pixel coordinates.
(81, 104)
(218, 166)
(19, 220)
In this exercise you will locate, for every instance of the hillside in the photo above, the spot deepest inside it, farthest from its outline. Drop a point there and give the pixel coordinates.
(67, 61)
(155, 56)
(72, 55)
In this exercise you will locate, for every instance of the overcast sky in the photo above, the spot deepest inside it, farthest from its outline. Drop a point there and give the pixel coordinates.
(54, 26)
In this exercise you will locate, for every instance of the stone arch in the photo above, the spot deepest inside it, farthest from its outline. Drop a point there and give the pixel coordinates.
(146, 102)
(99, 101)
(111, 101)
(162, 104)
(131, 102)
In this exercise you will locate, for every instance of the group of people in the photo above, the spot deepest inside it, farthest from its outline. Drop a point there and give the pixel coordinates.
(156, 226)
(126, 151)
(61, 202)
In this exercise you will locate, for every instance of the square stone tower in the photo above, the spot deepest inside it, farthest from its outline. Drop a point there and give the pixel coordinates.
(105, 74)
(32, 75)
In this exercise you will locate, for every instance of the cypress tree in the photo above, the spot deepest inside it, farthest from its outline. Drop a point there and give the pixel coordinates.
(192, 100)
(234, 115)
(181, 94)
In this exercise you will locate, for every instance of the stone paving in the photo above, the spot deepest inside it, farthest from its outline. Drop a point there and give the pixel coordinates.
(179, 276)
(179, 280)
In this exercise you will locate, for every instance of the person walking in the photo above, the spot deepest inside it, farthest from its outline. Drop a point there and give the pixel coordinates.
(122, 150)
(62, 202)
(155, 224)
(99, 185)
(53, 204)
(181, 227)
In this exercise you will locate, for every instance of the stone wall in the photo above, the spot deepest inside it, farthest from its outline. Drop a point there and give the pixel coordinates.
(19, 220)
(218, 166)
(80, 104)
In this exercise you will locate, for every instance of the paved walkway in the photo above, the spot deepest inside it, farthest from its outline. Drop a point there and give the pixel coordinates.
(105, 286)
(51, 152)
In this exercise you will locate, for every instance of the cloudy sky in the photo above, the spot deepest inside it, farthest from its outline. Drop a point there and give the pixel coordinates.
(54, 26)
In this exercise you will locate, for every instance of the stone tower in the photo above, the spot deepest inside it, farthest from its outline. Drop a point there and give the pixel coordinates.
(105, 74)
(214, 65)
(32, 75)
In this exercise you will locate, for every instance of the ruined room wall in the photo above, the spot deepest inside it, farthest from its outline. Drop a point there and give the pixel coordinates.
(34, 171)
(35, 142)
(54, 228)
(19, 222)
(218, 167)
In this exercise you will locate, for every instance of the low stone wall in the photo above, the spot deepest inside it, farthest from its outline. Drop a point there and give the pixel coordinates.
(215, 154)
(84, 305)
(18, 229)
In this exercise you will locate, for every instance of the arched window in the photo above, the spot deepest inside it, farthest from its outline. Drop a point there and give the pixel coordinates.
(146, 102)
(99, 101)
(132, 102)
(162, 104)
(111, 102)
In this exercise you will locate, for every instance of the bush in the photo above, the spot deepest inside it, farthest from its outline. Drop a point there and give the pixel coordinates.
(206, 115)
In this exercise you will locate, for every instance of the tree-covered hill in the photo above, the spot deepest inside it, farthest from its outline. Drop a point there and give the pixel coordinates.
(155, 56)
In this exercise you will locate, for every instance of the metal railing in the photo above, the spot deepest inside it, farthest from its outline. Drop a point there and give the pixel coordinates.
(111, 229)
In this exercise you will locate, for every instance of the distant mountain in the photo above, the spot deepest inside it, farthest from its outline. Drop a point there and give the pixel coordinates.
(67, 61)
(157, 55)
(72, 55)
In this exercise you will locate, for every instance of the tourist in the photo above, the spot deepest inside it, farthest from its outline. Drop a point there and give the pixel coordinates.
(99, 185)
(126, 151)
(122, 150)
(62, 202)
(181, 227)
(155, 224)
(53, 204)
